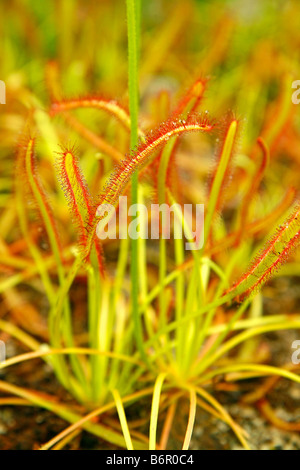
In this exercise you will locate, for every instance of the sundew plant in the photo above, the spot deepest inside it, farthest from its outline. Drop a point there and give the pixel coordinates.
(171, 104)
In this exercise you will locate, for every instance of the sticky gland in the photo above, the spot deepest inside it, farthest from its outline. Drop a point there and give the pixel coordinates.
(187, 105)
(110, 106)
(276, 252)
(140, 158)
(79, 198)
(26, 169)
